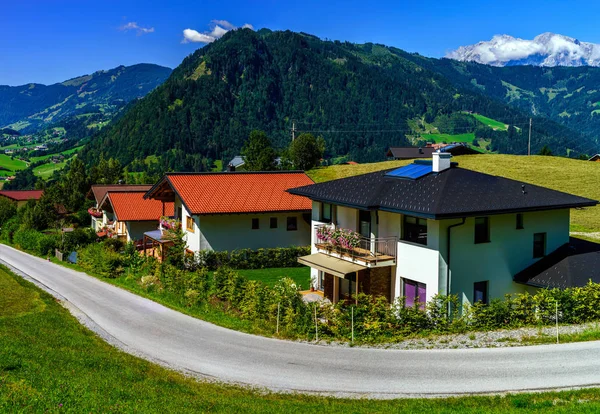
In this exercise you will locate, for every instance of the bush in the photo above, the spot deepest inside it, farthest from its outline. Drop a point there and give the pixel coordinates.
(27, 239)
(249, 259)
(46, 245)
(115, 245)
(101, 260)
(76, 239)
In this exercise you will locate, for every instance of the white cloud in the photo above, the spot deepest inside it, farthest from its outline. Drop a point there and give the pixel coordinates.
(138, 29)
(219, 28)
(550, 48)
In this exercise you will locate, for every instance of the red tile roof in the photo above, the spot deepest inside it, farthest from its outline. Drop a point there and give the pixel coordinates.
(131, 206)
(22, 195)
(100, 190)
(240, 192)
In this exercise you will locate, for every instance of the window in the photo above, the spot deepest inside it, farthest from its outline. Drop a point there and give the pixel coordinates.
(273, 222)
(348, 286)
(179, 213)
(364, 223)
(255, 224)
(539, 245)
(520, 221)
(415, 230)
(482, 230)
(326, 213)
(480, 292)
(414, 292)
(189, 223)
(292, 223)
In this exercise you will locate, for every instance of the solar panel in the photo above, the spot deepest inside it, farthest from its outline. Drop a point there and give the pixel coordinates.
(411, 171)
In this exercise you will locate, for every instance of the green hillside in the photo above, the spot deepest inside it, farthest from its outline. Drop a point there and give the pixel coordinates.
(9, 166)
(492, 123)
(360, 98)
(571, 176)
(86, 100)
(447, 138)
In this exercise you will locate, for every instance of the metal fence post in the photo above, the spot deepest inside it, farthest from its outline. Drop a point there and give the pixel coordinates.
(278, 317)
(352, 323)
(316, 326)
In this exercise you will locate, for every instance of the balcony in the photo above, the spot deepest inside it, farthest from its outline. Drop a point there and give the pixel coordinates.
(351, 246)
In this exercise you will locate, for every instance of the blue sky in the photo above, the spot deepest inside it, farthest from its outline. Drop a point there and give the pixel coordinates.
(50, 41)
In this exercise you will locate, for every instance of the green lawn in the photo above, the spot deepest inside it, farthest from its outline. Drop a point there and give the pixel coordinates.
(562, 174)
(11, 164)
(448, 138)
(51, 363)
(300, 275)
(66, 152)
(45, 171)
(492, 123)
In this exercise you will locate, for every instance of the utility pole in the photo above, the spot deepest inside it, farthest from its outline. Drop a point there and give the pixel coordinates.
(529, 142)
(293, 130)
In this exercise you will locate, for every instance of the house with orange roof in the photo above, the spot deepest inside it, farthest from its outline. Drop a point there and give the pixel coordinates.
(237, 210)
(98, 192)
(129, 215)
(21, 196)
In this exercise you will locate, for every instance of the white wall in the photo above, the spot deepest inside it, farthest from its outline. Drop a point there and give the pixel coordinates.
(508, 252)
(234, 231)
(347, 218)
(136, 229)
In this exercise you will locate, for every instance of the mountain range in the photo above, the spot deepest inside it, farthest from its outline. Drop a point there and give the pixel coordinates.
(547, 49)
(86, 101)
(360, 98)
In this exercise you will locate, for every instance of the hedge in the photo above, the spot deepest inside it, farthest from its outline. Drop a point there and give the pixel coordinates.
(249, 259)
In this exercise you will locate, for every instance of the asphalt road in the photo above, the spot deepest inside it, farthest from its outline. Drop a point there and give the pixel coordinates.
(170, 338)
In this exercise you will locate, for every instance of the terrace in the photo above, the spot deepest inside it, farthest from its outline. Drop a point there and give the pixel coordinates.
(350, 246)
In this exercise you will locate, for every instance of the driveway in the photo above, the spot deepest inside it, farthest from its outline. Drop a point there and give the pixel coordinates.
(170, 338)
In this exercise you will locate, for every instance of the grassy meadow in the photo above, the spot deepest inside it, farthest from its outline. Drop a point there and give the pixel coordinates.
(45, 171)
(51, 363)
(572, 176)
(448, 138)
(10, 166)
(492, 123)
(300, 275)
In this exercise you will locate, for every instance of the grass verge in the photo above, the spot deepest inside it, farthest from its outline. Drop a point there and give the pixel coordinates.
(50, 363)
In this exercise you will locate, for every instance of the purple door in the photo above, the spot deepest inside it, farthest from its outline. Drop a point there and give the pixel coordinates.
(414, 290)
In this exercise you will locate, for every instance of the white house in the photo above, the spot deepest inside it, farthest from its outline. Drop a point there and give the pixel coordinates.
(129, 215)
(432, 227)
(237, 210)
(98, 192)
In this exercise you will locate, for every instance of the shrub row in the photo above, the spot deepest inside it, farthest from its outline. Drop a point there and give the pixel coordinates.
(249, 259)
(42, 244)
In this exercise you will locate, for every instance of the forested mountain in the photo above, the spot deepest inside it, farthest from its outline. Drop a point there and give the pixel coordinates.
(360, 98)
(83, 101)
(568, 95)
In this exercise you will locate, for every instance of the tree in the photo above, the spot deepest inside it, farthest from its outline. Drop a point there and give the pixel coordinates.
(545, 151)
(306, 151)
(175, 254)
(8, 209)
(258, 152)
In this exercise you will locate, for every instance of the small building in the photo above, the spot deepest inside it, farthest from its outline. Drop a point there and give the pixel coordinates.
(129, 215)
(595, 158)
(98, 193)
(407, 153)
(237, 210)
(433, 228)
(21, 196)
(236, 163)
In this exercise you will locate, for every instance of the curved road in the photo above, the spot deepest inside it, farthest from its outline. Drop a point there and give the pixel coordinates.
(170, 338)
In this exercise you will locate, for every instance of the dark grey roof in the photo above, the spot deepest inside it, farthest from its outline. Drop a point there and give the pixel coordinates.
(237, 161)
(455, 192)
(571, 265)
(405, 153)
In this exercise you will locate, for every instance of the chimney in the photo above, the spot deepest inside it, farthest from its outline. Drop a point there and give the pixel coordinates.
(231, 168)
(441, 161)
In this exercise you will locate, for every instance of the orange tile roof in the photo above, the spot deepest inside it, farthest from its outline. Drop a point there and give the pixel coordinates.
(99, 190)
(22, 195)
(240, 192)
(131, 206)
